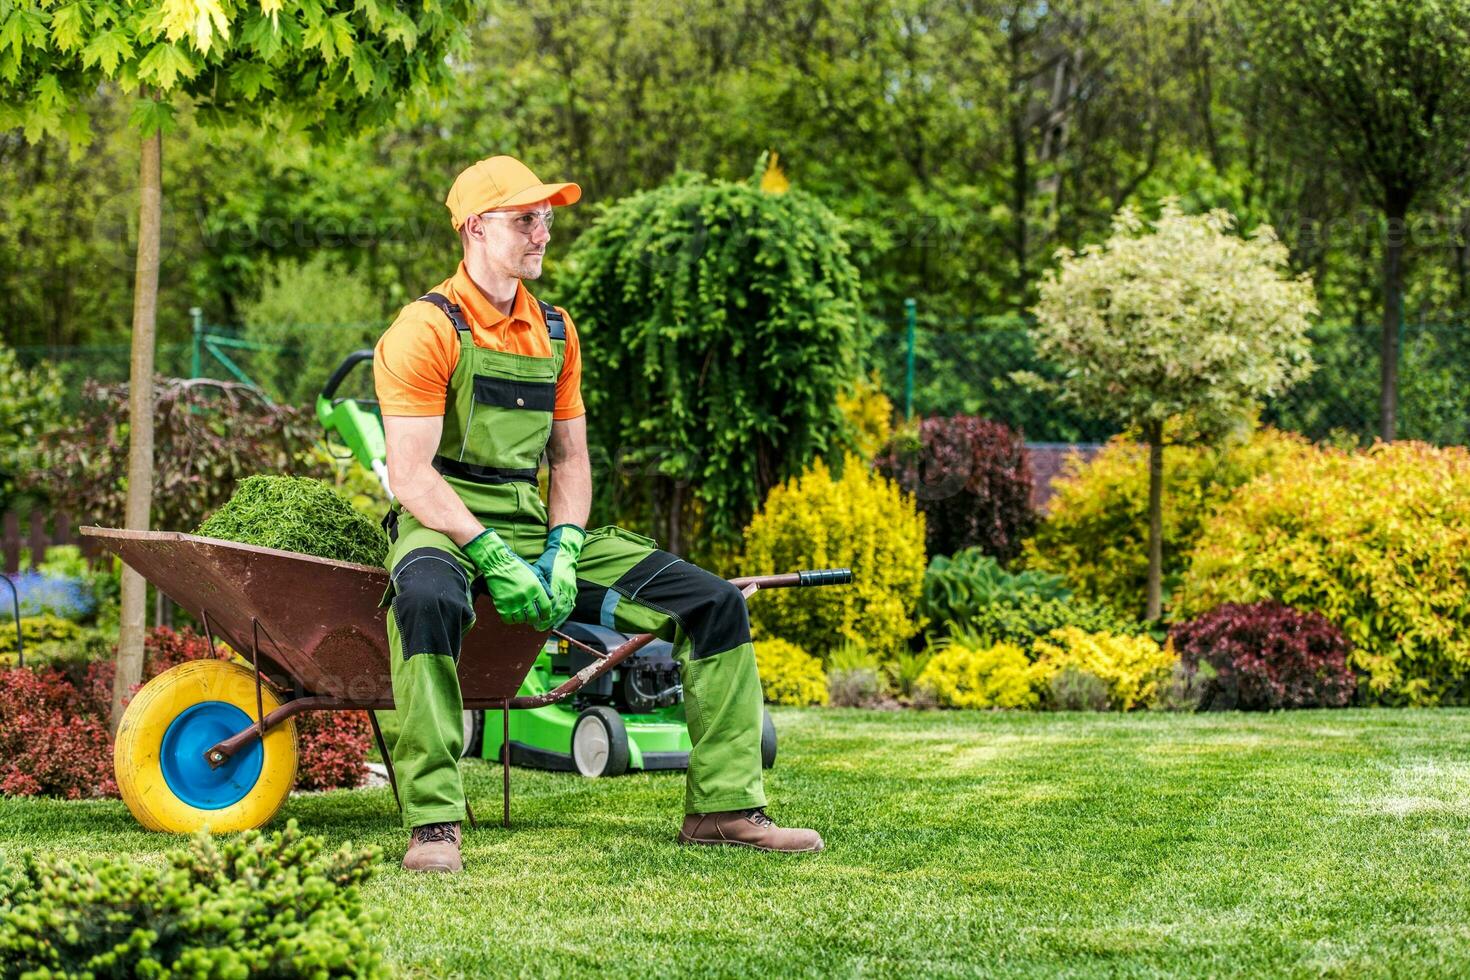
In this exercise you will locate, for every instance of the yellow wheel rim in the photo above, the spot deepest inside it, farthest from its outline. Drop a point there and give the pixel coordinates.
(158, 754)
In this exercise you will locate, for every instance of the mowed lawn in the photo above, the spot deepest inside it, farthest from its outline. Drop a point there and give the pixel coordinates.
(958, 843)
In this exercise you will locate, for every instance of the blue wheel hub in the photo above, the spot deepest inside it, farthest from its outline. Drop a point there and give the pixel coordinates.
(181, 757)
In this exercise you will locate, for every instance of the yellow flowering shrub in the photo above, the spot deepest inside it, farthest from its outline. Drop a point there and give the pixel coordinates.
(1096, 528)
(965, 676)
(869, 415)
(789, 675)
(1135, 668)
(1378, 542)
(859, 521)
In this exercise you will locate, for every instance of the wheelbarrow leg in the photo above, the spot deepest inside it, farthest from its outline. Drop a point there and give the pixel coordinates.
(387, 759)
(505, 762)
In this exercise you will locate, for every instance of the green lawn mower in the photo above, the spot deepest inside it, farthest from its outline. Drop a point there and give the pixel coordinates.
(630, 718)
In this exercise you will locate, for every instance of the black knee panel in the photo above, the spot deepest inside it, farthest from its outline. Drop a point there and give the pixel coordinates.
(711, 611)
(431, 602)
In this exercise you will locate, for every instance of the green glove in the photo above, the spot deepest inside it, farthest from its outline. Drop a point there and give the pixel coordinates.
(519, 594)
(557, 567)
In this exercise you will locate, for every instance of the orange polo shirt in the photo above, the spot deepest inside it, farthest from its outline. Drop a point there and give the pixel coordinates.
(414, 359)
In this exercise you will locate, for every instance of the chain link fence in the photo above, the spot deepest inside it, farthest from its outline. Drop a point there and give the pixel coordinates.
(969, 366)
(291, 373)
(958, 366)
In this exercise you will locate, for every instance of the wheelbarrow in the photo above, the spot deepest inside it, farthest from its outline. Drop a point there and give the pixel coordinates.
(212, 743)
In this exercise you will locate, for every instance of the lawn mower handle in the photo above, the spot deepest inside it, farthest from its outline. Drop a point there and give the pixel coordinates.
(348, 363)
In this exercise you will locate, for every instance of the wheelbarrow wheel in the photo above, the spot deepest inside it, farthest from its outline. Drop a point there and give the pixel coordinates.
(600, 743)
(158, 756)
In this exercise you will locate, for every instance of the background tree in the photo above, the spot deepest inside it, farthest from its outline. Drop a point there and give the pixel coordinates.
(322, 67)
(719, 322)
(1385, 86)
(1178, 330)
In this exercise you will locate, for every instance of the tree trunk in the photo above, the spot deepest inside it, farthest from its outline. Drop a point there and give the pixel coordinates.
(1393, 285)
(1155, 434)
(140, 418)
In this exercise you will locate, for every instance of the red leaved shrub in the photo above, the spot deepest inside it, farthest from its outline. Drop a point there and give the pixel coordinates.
(971, 480)
(334, 748)
(53, 726)
(1266, 655)
(165, 648)
(53, 736)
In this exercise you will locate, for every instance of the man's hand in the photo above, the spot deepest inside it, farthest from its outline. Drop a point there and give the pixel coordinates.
(520, 595)
(557, 567)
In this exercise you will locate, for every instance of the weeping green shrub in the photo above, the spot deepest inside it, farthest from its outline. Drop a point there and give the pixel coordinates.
(252, 905)
(720, 324)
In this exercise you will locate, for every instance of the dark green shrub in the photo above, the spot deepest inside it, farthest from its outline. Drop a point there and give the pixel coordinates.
(956, 588)
(1024, 618)
(30, 405)
(971, 595)
(297, 514)
(254, 905)
(971, 480)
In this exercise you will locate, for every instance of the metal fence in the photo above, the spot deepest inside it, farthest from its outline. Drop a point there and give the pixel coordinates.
(945, 366)
(941, 366)
(290, 373)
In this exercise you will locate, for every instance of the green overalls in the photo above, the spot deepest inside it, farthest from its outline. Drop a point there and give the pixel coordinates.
(497, 421)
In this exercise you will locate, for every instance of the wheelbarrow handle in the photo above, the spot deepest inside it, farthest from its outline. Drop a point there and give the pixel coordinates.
(824, 576)
(796, 580)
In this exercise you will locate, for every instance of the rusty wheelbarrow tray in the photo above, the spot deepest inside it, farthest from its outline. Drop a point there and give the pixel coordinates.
(314, 631)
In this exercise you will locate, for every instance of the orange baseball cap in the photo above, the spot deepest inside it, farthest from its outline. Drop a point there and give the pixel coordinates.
(502, 182)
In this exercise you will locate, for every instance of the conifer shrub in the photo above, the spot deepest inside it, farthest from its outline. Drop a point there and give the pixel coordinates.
(252, 905)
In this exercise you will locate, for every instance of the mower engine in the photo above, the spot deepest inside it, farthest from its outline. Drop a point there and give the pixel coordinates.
(647, 680)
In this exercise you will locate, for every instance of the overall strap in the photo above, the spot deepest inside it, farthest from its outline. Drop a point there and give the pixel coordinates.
(451, 310)
(556, 324)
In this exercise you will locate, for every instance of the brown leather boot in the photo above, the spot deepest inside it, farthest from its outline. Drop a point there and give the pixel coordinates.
(747, 828)
(433, 847)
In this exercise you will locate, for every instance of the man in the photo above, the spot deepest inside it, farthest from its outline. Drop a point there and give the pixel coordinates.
(475, 380)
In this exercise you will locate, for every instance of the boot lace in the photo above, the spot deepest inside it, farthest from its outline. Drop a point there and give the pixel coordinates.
(757, 816)
(434, 833)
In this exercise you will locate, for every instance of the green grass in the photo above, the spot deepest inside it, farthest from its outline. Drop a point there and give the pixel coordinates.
(957, 844)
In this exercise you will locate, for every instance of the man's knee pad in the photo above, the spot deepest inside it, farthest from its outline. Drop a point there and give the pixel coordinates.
(431, 603)
(710, 610)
